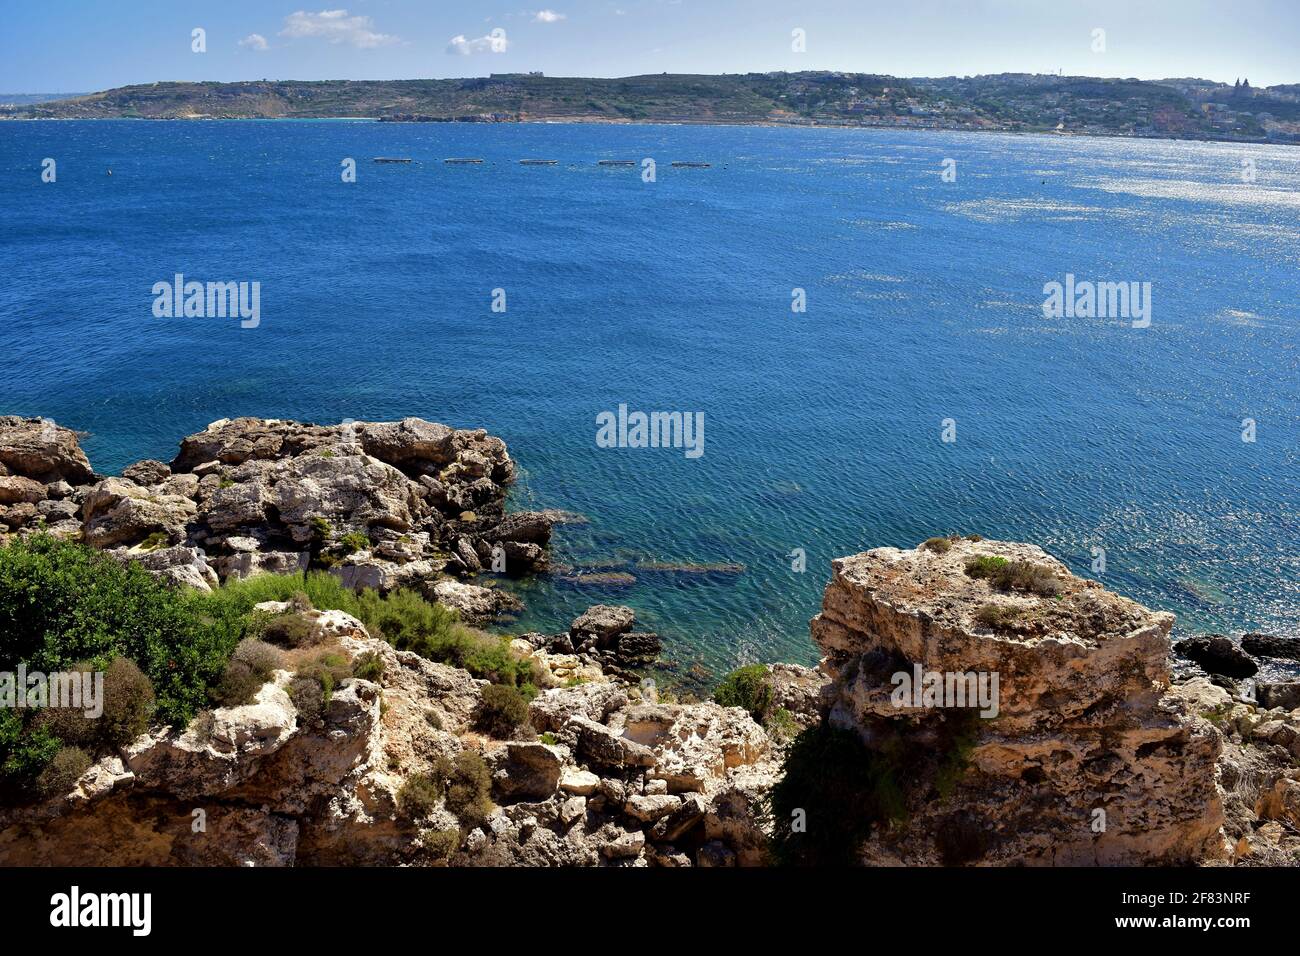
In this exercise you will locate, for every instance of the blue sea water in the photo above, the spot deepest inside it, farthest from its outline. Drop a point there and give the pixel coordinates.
(823, 428)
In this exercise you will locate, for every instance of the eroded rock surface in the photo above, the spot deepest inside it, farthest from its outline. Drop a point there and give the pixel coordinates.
(1083, 721)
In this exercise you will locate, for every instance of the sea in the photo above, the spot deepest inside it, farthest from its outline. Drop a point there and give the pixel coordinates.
(856, 317)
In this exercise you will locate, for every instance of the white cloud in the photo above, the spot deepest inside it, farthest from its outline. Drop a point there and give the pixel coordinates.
(254, 41)
(547, 16)
(494, 42)
(336, 27)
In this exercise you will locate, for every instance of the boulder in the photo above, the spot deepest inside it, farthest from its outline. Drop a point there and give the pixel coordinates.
(39, 449)
(1284, 694)
(526, 771)
(117, 512)
(1217, 655)
(1268, 645)
(603, 622)
(476, 605)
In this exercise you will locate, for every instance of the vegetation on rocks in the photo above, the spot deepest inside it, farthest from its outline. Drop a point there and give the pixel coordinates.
(1014, 575)
(749, 687)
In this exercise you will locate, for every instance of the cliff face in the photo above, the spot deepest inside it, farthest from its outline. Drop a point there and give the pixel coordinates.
(1081, 722)
(618, 780)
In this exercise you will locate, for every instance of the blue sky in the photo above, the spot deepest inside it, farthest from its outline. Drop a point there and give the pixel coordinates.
(77, 45)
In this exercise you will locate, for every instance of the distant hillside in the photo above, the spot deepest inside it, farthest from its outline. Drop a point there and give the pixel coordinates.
(1185, 108)
(30, 99)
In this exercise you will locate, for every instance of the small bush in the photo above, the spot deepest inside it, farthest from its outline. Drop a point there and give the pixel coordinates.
(419, 795)
(155, 541)
(369, 666)
(250, 666)
(62, 772)
(549, 739)
(749, 687)
(328, 670)
(974, 537)
(937, 545)
(290, 630)
(839, 789)
(502, 711)
(441, 844)
(1015, 575)
(998, 617)
(469, 785)
(129, 703)
(354, 541)
(308, 697)
(781, 726)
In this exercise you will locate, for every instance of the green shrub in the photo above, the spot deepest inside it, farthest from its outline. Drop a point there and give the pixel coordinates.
(998, 617)
(308, 697)
(26, 751)
(410, 623)
(781, 726)
(937, 545)
(469, 786)
(129, 704)
(749, 687)
(62, 604)
(62, 771)
(985, 566)
(369, 666)
(441, 844)
(249, 667)
(290, 630)
(327, 670)
(502, 711)
(419, 795)
(155, 541)
(355, 541)
(1015, 575)
(316, 589)
(549, 739)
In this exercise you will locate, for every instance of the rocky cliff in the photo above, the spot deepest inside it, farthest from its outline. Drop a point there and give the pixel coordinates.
(1068, 741)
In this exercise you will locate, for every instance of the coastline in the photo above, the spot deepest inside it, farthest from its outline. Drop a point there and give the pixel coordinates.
(611, 121)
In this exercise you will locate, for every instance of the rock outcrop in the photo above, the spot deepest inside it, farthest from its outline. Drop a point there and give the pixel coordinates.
(383, 504)
(1087, 761)
(614, 782)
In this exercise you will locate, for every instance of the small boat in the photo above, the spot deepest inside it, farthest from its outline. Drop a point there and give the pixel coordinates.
(616, 162)
(463, 162)
(691, 165)
(392, 159)
(539, 162)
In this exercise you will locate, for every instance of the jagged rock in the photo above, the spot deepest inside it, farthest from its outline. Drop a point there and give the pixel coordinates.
(715, 853)
(476, 605)
(1080, 722)
(797, 690)
(551, 710)
(1217, 655)
(649, 808)
(1282, 802)
(411, 442)
(181, 565)
(38, 449)
(526, 771)
(147, 472)
(602, 623)
(15, 489)
(579, 782)
(1284, 694)
(117, 511)
(603, 747)
(524, 527)
(1268, 645)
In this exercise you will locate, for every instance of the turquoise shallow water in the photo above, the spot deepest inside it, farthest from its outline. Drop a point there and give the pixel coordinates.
(822, 429)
